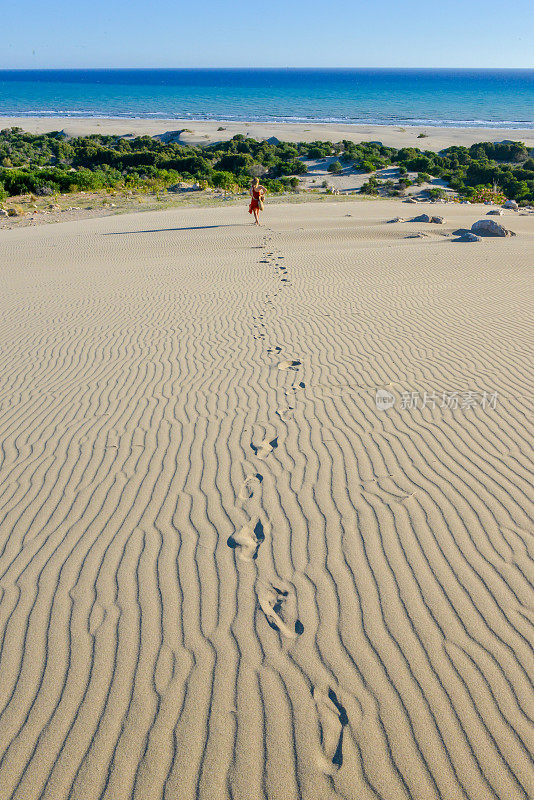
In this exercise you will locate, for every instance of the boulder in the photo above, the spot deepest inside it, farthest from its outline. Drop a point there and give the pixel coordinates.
(511, 204)
(428, 218)
(488, 227)
(422, 218)
(469, 237)
(395, 219)
(179, 187)
(273, 140)
(410, 200)
(497, 212)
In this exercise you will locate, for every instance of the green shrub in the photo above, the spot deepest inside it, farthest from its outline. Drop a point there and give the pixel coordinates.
(335, 167)
(37, 162)
(437, 193)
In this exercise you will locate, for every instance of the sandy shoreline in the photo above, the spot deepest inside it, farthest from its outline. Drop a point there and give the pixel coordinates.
(203, 132)
(225, 571)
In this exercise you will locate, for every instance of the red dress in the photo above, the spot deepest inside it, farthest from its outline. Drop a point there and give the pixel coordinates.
(255, 201)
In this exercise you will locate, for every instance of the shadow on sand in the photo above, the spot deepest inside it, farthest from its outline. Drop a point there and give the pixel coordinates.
(168, 230)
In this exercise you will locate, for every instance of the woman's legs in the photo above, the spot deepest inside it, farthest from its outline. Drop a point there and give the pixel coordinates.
(256, 216)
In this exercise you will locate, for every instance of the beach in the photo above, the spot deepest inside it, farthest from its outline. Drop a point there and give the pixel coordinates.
(204, 132)
(266, 509)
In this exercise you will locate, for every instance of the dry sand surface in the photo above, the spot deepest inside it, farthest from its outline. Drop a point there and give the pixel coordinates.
(204, 132)
(225, 573)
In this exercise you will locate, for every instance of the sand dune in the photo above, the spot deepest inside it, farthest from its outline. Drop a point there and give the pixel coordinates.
(200, 132)
(224, 571)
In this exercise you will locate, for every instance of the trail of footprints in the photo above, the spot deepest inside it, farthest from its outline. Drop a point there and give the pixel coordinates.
(278, 605)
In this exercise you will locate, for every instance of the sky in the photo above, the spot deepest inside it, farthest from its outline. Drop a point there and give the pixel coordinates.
(268, 33)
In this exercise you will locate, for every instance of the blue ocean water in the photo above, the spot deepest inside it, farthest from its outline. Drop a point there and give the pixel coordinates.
(442, 97)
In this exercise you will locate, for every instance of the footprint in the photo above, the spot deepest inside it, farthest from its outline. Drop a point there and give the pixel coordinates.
(247, 541)
(284, 413)
(285, 365)
(332, 719)
(276, 349)
(266, 447)
(271, 600)
(247, 491)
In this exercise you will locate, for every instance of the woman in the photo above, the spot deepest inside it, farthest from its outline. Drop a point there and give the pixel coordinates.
(257, 193)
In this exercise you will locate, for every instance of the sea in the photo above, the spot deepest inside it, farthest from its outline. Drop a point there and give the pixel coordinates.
(429, 97)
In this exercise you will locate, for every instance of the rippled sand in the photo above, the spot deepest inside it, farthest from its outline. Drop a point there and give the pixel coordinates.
(224, 572)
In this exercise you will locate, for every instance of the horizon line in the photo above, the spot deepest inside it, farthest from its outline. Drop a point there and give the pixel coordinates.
(255, 68)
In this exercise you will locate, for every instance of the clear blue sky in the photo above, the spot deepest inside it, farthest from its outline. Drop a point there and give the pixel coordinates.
(286, 33)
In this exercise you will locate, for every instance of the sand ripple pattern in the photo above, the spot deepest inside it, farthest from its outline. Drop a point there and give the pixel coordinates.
(224, 573)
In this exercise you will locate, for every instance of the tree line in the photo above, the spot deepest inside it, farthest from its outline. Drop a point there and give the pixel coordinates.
(52, 162)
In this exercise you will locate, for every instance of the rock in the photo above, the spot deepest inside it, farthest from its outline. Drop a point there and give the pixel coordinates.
(179, 187)
(3, 212)
(497, 212)
(488, 227)
(469, 237)
(428, 218)
(422, 218)
(273, 140)
(511, 204)
(410, 200)
(416, 236)
(13, 212)
(395, 219)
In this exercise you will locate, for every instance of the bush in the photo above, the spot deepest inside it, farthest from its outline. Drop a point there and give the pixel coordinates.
(437, 193)
(335, 167)
(483, 194)
(371, 187)
(44, 162)
(44, 189)
(223, 180)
